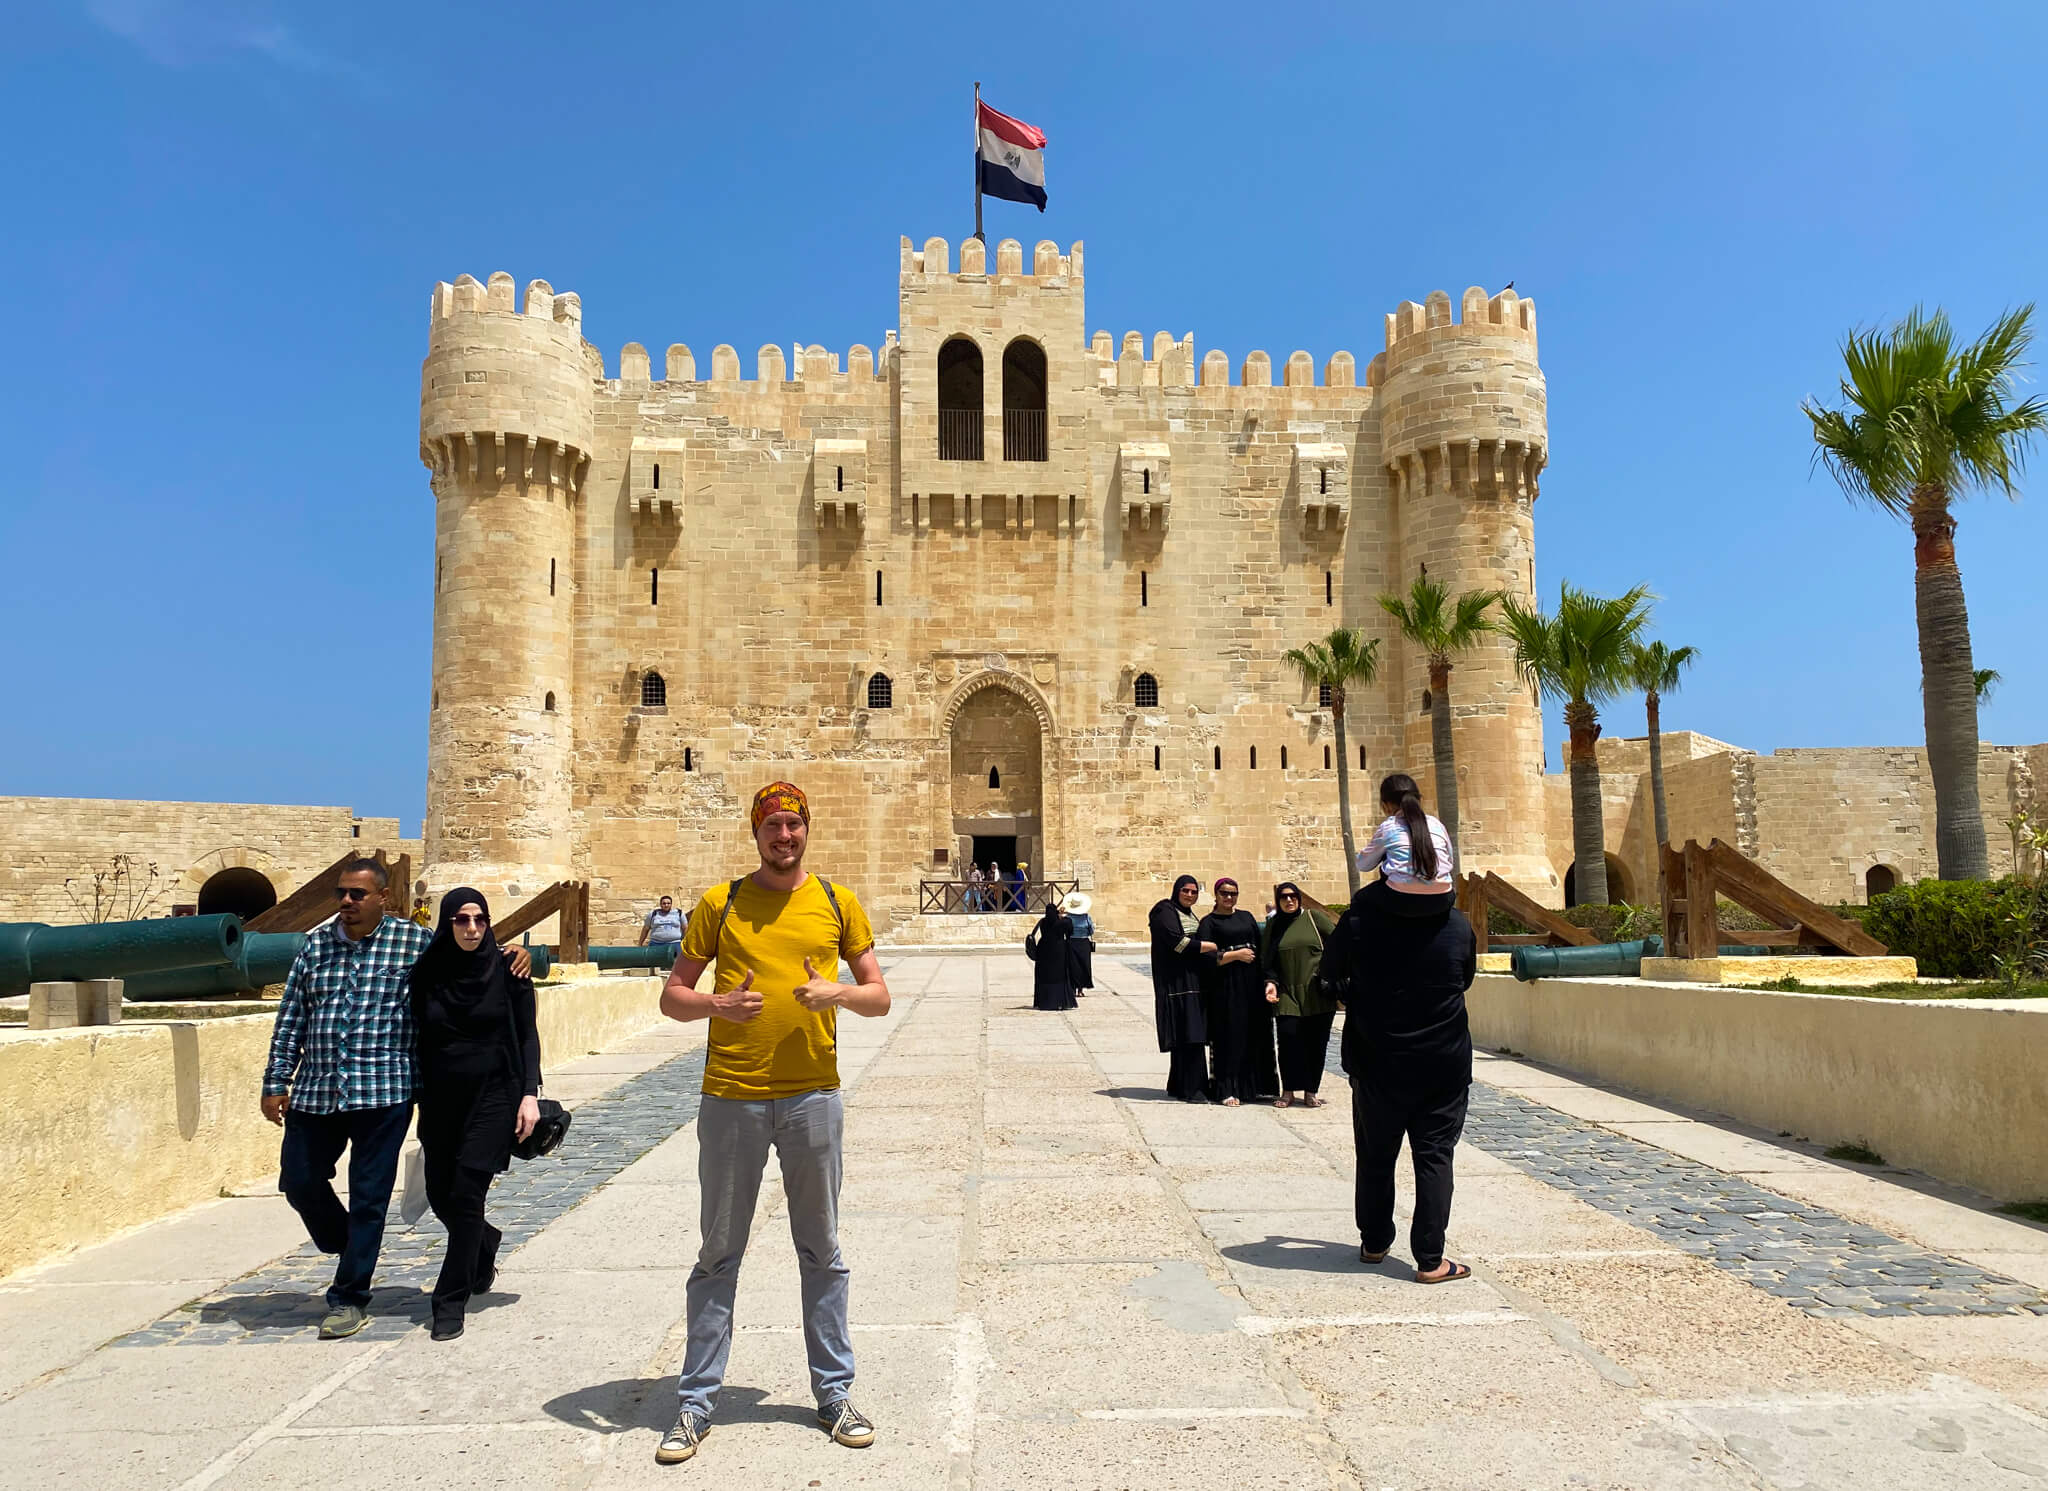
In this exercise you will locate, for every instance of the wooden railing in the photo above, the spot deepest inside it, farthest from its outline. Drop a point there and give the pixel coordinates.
(568, 899)
(312, 903)
(966, 898)
(1696, 880)
(1023, 434)
(959, 434)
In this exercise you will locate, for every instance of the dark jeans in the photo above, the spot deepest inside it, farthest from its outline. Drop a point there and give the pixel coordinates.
(1431, 1121)
(1304, 1043)
(457, 1194)
(312, 1145)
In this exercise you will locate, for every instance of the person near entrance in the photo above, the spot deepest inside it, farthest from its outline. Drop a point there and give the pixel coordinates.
(771, 1078)
(662, 930)
(1178, 957)
(342, 1075)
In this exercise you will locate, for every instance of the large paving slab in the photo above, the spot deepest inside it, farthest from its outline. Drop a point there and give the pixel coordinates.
(1063, 1279)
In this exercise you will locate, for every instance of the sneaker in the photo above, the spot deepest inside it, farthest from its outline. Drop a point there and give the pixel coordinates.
(681, 1442)
(343, 1321)
(847, 1424)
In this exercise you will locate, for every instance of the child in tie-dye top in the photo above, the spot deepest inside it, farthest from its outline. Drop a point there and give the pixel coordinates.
(1411, 849)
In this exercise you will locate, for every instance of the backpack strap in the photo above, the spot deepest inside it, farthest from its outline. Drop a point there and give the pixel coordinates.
(731, 894)
(837, 915)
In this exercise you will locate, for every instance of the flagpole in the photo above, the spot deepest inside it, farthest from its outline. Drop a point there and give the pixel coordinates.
(977, 161)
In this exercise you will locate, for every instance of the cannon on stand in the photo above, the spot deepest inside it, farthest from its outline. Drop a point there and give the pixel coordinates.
(263, 958)
(33, 953)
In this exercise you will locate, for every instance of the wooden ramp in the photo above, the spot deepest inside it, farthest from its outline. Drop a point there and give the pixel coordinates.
(1479, 894)
(312, 903)
(1695, 880)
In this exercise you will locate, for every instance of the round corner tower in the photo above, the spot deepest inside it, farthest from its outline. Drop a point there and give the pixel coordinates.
(1464, 438)
(507, 395)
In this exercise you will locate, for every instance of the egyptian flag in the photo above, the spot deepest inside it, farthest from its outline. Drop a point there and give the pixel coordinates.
(1010, 157)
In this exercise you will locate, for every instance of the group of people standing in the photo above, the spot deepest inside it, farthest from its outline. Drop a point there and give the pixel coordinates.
(993, 890)
(1231, 994)
(1062, 952)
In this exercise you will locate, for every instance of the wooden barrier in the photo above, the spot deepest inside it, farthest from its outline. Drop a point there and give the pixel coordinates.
(567, 899)
(1695, 880)
(312, 903)
(1478, 893)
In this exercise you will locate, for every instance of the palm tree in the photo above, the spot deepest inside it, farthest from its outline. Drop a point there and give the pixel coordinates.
(1345, 658)
(1924, 422)
(1441, 626)
(1580, 656)
(1655, 669)
(1986, 682)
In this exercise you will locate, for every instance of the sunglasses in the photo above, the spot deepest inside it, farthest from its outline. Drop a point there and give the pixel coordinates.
(350, 893)
(1226, 895)
(462, 919)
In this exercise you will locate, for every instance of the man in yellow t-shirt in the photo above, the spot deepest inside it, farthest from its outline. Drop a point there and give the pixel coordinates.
(771, 1078)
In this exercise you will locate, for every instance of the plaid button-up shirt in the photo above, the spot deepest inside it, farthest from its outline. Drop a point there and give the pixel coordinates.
(344, 1034)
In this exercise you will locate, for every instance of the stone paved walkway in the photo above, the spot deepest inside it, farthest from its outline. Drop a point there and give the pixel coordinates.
(285, 1300)
(1063, 1279)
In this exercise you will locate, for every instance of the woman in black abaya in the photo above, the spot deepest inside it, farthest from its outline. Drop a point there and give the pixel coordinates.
(1177, 963)
(479, 1058)
(1052, 979)
(1234, 989)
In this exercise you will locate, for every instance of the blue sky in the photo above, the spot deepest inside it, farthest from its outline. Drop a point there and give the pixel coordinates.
(224, 217)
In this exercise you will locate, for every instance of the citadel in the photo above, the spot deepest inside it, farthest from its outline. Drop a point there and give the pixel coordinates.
(998, 589)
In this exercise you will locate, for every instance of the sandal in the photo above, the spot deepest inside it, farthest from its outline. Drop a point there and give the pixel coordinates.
(1367, 1257)
(1310, 1100)
(1451, 1275)
(1283, 1101)
(1231, 1103)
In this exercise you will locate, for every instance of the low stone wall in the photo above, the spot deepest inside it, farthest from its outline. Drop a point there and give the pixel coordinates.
(1953, 1089)
(110, 1126)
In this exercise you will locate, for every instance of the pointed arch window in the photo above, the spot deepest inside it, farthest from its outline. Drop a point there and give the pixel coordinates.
(1145, 691)
(653, 690)
(881, 692)
(1024, 435)
(960, 400)
(995, 778)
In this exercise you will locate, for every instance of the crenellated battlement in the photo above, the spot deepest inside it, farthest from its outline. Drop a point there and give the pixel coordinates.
(935, 261)
(810, 367)
(1412, 328)
(1172, 364)
(466, 296)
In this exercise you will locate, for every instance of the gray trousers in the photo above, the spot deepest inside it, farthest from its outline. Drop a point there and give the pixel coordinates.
(732, 1151)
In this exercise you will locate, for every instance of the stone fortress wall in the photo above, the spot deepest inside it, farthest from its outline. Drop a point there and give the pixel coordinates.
(201, 850)
(774, 548)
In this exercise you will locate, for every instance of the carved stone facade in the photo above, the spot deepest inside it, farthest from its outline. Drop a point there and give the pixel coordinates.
(933, 583)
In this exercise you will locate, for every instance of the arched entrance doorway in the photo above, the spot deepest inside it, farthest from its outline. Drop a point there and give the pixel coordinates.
(998, 768)
(239, 891)
(1879, 879)
(1619, 887)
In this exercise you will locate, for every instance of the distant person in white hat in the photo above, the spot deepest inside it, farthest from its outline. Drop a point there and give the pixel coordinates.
(1080, 941)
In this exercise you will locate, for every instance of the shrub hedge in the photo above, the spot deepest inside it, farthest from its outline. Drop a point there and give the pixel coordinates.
(1957, 928)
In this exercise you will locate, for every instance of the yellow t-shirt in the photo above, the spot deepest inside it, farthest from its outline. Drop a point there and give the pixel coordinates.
(786, 1049)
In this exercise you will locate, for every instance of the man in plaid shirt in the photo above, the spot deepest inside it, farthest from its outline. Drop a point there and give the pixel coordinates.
(341, 1074)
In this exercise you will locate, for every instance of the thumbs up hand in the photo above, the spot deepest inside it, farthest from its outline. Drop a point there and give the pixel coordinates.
(740, 1003)
(818, 992)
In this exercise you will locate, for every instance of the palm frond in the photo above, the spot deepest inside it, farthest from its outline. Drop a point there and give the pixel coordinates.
(1580, 653)
(1657, 669)
(1345, 658)
(1440, 624)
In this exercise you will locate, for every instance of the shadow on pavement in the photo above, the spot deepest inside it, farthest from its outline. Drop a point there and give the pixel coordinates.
(628, 1403)
(1137, 1094)
(292, 1310)
(1313, 1255)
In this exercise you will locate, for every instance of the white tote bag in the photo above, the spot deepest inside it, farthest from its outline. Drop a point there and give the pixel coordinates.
(412, 1204)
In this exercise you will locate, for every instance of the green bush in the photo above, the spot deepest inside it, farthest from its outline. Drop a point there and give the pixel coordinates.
(1956, 928)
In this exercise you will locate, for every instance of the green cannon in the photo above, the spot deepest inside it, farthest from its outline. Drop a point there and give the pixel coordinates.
(263, 958)
(614, 958)
(1603, 960)
(32, 953)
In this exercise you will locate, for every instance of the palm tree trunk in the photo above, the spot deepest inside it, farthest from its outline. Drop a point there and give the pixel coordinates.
(1948, 690)
(1344, 789)
(1440, 747)
(1589, 844)
(1651, 701)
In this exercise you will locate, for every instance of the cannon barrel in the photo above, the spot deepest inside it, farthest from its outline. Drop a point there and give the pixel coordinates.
(263, 958)
(32, 953)
(613, 958)
(1605, 960)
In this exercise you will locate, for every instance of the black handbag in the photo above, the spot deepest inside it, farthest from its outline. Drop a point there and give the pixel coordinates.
(552, 1127)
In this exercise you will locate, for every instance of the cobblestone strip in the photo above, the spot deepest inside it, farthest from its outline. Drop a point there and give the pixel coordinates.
(286, 1299)
(1807, 1255)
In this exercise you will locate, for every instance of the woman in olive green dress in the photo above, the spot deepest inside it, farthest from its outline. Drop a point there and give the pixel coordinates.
(1290, 952)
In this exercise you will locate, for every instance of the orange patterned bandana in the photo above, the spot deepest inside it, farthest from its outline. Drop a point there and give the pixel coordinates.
(780, 797)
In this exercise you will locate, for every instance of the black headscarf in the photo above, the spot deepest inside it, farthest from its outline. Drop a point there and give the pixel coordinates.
(460, 979)
(1283, 919)
(1174, 894)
